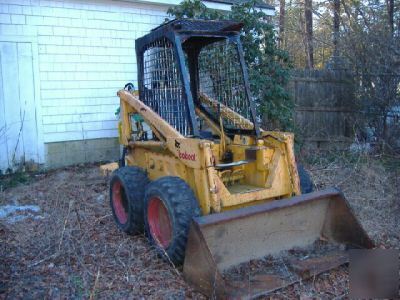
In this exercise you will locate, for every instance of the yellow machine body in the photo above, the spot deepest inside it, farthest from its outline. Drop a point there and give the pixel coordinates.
(195, 118)
(251, 207)
(265, 168)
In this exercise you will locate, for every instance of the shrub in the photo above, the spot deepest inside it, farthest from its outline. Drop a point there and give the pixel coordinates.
(268, 66)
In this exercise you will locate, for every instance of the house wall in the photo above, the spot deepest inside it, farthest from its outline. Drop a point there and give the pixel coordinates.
(84, 52)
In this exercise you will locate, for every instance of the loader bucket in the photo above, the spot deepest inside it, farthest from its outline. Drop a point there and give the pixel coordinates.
(256, 250)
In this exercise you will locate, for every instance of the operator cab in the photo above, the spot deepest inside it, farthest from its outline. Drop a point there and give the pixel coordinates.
(192, 73)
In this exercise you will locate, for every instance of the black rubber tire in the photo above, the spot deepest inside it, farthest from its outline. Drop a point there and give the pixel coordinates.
(182, 206)
(133, 182)
(306, 184)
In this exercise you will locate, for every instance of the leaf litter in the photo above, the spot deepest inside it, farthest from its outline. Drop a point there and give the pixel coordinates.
(74, 250)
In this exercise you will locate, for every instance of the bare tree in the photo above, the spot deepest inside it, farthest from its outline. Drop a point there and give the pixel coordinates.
(336, 25)
(390, 10)
(282, 11)
(367, 41)
(309, 33)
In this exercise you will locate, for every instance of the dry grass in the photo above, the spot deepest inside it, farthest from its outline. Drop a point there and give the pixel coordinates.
(76, 251)
(372, 187)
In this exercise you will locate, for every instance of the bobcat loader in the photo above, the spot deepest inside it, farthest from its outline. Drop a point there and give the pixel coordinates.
(210, 189)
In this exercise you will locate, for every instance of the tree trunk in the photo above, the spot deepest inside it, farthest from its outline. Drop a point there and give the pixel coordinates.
(309, 33)
(282, 11)
(390, 9)
(336, 25)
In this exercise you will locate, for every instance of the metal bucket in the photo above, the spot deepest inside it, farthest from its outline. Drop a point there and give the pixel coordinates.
(218, 243)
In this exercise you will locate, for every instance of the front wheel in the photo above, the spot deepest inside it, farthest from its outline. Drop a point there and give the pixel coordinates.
(169, 207)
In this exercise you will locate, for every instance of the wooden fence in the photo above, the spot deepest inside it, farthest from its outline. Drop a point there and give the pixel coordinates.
(325, 106)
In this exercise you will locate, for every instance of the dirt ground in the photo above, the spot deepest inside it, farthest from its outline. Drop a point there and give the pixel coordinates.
(69, 247)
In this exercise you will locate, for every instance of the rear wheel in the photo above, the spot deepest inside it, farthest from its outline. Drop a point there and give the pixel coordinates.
(169, 207)
(306, 184)
(127, 188)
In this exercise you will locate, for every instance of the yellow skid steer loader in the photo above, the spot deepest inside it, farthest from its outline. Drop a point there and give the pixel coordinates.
(211, 189)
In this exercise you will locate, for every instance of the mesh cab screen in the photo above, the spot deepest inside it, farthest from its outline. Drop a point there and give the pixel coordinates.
(162, 88)
(221, 85)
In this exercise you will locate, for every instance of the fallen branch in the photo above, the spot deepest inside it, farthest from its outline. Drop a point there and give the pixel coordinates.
(54, 255)
(65, 225)
(92, 293)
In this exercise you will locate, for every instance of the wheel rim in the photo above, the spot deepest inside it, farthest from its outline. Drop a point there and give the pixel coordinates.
(120, 202)
(159, 222)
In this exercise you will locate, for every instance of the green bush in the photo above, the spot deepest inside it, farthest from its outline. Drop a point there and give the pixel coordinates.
(268, 66)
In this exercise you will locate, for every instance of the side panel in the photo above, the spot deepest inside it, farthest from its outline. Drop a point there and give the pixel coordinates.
(159, 162)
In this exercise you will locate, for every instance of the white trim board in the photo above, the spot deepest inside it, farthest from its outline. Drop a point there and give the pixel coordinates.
(209, 4)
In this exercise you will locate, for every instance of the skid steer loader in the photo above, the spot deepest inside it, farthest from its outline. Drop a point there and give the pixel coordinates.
(209, 187)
